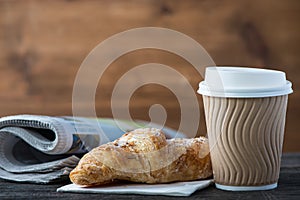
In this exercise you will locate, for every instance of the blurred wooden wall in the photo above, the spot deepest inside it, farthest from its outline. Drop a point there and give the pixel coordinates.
(43, 43)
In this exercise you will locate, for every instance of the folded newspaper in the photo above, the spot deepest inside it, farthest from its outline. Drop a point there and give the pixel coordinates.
(44, 149)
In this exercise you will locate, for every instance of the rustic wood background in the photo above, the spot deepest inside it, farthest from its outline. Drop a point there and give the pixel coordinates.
(42, 44)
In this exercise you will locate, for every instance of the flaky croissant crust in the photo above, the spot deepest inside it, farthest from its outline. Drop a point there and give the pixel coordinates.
(145, 155)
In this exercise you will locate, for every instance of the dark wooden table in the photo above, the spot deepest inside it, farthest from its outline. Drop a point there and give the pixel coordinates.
(289, 188)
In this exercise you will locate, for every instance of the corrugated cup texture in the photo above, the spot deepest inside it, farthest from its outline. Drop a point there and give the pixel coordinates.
(245, 138)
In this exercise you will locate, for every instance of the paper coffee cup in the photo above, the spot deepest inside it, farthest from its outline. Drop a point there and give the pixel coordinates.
(245, 111)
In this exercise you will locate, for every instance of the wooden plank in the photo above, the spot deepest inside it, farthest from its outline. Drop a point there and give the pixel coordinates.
(42, 44)
(288, 189)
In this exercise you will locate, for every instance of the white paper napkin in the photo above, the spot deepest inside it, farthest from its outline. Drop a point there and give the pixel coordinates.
(169, 189)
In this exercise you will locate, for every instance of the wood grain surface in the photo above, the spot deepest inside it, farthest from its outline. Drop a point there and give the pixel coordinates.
(288, 188)
(43, 43)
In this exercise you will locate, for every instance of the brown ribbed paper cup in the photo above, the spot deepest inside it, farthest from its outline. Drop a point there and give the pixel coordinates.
(245, 111)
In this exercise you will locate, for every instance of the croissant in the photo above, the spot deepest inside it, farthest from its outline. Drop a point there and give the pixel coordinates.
(144, 155)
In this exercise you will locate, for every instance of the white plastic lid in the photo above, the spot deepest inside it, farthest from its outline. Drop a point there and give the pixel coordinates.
(244, 82)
